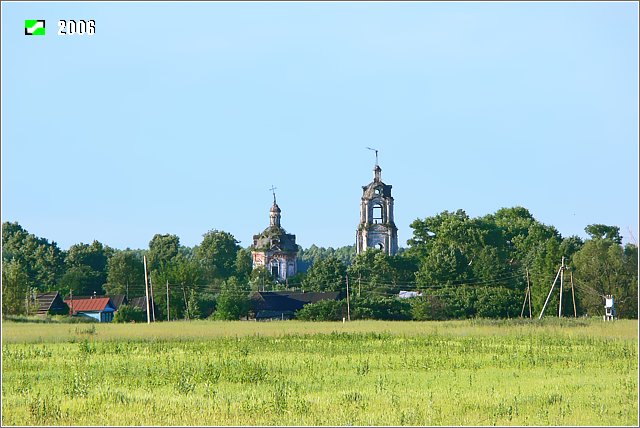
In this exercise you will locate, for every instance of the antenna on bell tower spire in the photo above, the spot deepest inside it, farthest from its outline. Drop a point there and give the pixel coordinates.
(375, 150)
(273, 190)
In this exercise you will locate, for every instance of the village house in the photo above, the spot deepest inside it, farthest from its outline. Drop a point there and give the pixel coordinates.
(141, 303)
(284, 304)
(50, 303)
(99, 308)
(117, 299)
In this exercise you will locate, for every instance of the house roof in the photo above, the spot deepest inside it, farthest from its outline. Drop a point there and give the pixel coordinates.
(48, 301)
(98, 304)
(289, 301)
(116, 300)
(140, 302)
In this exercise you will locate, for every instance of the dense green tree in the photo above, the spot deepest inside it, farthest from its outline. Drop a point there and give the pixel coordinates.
(182, 274)
(42, 261)
(454, 248)
(243, 264)
(233, 301)
(86, 271)
(374, 271)
(306, 257)
(326, 275)
(602, 267)
(96, 256)
(218, 254)
(261, 279)
(192, 312)
(162, 250)
(601, 231)
(82, 281)
(15, 288)
(125, 269)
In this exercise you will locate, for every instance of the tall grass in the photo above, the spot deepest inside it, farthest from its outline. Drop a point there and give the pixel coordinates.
(562, 372)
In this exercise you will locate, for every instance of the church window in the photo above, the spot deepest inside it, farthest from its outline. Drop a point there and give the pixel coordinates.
(275, 270)
(378, 191)
(380, 247)
(377, 214)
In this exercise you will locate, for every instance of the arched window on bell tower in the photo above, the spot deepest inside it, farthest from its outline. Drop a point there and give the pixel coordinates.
(376, 213)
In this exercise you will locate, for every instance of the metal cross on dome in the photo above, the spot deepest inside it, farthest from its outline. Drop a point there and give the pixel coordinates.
(375, 150)
(273, 190)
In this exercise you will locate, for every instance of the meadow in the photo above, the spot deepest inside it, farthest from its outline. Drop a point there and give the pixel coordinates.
(474, 372)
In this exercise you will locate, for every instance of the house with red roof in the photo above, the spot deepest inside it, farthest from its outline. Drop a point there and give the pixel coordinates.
(99, 308)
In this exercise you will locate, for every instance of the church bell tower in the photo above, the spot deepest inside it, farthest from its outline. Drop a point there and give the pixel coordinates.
(377, 228)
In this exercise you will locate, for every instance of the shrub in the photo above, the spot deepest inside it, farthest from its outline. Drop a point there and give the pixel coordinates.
(324, 310)
(231, 305)
(427, 308)
(380, 308)
(497, 302)
(128, 313)
(466, 301)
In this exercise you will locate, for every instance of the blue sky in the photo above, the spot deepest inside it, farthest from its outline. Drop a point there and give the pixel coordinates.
(178, 117)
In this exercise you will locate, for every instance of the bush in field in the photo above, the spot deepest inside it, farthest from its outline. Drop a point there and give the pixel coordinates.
(231, 306)
(380, 308)
(459, 302)
(466, 301)
(126, 313)
(497, 302)
(233, 301)
(324, 310)
(427, 308)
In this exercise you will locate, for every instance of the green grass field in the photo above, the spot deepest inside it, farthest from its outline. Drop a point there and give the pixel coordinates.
(476, 372)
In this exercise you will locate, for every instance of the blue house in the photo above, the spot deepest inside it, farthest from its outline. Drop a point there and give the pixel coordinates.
(100, 308)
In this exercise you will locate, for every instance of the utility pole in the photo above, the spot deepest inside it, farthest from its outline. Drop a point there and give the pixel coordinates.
(573, 297)
(561, 282)
(153, 303)
(359, 278)
(550, 291)
(184, 294)
(146, 288)
(527, 295)
(167, 300)
(71, 296)
(529, 289)
(348, 308)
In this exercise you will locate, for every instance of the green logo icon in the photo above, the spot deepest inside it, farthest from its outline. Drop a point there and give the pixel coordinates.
(34, 27)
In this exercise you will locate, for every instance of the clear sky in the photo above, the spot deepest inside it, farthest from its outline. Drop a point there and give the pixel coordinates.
(178, 117)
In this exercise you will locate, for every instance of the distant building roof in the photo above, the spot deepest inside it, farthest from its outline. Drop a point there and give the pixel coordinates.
(289, 301)
(97, 304)
(141, 302)
(117, 299)
(51, 301)
(408, 294)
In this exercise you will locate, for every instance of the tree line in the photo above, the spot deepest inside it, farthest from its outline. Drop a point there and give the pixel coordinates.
(459, 266)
